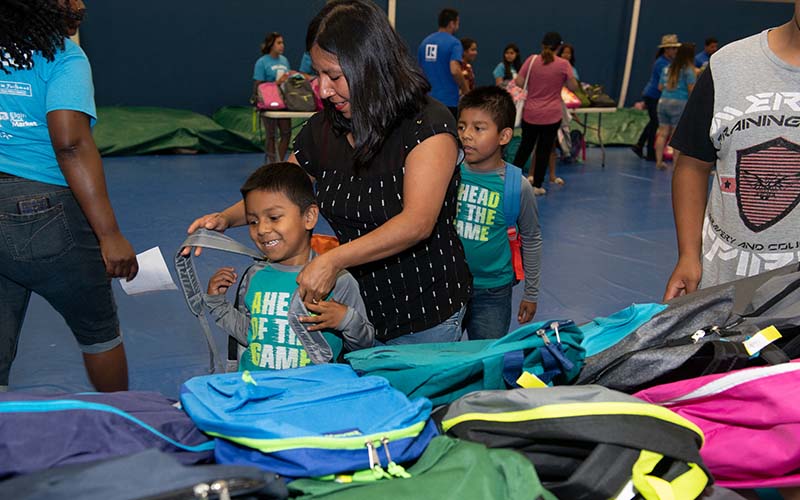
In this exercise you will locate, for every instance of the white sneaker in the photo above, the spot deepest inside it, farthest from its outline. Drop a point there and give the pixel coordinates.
(539, 191)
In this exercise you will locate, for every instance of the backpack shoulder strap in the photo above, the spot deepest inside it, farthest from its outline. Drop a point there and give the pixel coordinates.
(193, 291)
(512, 191)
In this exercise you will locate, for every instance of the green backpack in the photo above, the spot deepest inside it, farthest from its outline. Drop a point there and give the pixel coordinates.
(449, 469)
(532, 356)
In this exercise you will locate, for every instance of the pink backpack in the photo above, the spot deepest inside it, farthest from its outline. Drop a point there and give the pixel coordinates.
(315, 88)
(751, 420)
(269, 97)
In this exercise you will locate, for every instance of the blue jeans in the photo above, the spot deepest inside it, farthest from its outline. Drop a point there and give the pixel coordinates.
(489, 312)
(448, 330)
(48, 247)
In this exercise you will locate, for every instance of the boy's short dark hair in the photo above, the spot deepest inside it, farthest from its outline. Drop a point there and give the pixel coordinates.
(711, 40)
(495, 101)
(283, 177)
(446, 16)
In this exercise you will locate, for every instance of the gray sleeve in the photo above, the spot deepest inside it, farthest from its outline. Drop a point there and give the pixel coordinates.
(531, 235)
(232, 321)
(357, 331)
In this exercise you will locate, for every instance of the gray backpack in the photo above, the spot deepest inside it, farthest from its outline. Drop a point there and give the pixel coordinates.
(298, 95)
(703, 333)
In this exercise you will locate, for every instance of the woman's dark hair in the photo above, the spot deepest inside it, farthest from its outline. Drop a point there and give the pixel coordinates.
(269, 41)
(516, 63)
(495, 101)
(571, 48)
(28, 26)
(551, 41)
(684, 58)
(311, 32)
(385, 84)
(285, 178)
(659, 53)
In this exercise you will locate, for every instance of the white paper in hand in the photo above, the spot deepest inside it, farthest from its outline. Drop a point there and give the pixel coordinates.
(153, 274)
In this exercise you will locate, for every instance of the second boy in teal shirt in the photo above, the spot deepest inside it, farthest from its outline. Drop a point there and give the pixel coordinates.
(485, 126)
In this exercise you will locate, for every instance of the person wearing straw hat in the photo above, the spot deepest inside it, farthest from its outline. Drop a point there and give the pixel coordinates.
(651, 94)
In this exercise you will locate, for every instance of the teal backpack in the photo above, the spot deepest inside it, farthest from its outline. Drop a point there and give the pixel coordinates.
(534, 355)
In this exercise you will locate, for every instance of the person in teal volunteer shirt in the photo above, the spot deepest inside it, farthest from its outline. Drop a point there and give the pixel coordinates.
(485, 126)
(61, 238)
(676, 83)
(281, 213)
(273, 67)
(507, 69)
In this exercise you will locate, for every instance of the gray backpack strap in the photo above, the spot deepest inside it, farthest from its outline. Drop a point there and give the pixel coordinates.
(194, 292)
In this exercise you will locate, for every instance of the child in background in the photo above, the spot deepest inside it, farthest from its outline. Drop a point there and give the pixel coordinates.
(677, 82)
(281, 214)
(273, 67)
(567, 51)
(507, 69)
(470, 54)
(485, 126)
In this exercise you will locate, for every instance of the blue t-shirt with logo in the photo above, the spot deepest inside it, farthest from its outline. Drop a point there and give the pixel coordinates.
(26, 96)
(269, 69)
(434, 56)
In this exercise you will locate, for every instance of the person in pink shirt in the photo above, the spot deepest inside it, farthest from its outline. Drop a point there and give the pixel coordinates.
(541, 116)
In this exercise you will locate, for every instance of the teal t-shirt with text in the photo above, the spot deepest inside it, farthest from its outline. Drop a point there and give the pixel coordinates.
(273, 344)
(482, 227)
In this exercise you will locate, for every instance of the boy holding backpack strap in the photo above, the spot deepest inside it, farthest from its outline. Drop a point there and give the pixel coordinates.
(281, 214)
(497, 216)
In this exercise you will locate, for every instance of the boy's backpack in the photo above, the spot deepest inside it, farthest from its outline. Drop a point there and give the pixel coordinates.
(512, 190)
(598, 97)
(310, 421)
(315, 344)
(538, 353)
(298, 94)
(706, 332)
(147, 475)
(587, 442)
(449, 469)
(38, 432)
(750, 419)
(269, 98)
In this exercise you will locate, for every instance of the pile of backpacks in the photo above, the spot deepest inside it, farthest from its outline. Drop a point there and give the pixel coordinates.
(683, 400)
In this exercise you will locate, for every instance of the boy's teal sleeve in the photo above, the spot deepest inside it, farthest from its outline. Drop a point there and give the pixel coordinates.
(531, 235)
(357, 331)
(232, 321)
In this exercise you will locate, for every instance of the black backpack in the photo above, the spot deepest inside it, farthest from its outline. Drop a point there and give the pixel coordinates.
(298, 95)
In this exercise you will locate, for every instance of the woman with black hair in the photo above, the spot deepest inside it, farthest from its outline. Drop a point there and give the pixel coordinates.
(542, 113)
(384, 157)
(507, 69)
(61, 239)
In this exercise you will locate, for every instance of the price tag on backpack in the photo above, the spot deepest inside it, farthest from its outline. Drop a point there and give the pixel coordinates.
(761, 340)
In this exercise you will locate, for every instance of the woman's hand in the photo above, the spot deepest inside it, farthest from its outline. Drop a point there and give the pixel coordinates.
(118, 256)
(317, 279)
(215, 222)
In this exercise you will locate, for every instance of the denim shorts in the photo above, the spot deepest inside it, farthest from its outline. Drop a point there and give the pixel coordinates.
(47, 247)
(670, 111)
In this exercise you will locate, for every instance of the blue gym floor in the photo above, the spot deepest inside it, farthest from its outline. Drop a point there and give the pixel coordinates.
(608, 242)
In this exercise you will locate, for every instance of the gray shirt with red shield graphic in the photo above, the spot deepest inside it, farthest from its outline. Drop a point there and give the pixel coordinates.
(744, 115)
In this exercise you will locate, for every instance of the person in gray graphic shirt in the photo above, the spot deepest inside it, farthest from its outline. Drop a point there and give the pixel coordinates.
(743, 117)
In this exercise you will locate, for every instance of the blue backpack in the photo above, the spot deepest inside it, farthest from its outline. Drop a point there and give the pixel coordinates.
(309, 422)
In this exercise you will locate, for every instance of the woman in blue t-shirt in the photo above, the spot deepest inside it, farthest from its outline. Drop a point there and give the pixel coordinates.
(676, 83)
(507, 69)
(60, 236)
(273, 67)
